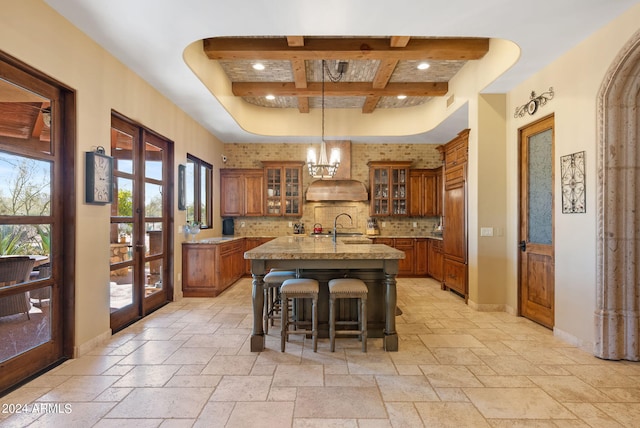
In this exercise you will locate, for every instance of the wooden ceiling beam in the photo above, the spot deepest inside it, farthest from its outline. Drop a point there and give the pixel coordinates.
(370, 104)
(299, 69)
(340, 89)
(228, 48)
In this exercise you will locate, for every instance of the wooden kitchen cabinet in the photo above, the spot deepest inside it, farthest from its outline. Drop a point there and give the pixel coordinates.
(389, 183)
(241, 192)
(283, 187)
(425, 190)
(435, 259)
(406, 266)
(209, 269)
(455, 215)
(422, 260)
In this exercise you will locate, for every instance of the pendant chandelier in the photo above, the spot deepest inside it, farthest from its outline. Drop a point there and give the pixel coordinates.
(321, 166)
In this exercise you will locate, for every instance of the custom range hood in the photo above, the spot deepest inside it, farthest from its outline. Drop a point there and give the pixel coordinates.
(341, 187)
(337, 190)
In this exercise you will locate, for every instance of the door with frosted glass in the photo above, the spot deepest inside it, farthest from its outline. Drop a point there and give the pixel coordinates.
(536, 248)
(140, 222)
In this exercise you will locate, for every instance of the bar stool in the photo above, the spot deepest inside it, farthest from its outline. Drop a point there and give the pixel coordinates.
(348, 288)
(299, 288)
(272, 282)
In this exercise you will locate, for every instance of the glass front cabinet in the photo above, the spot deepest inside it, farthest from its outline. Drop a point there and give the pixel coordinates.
(389, 188)
(283, 181)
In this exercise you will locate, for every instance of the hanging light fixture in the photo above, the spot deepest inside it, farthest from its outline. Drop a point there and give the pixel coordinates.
(321, 166)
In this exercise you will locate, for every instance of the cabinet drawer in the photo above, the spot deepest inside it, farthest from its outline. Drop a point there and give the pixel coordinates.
(455, 275)
(404, 242)
(232, 247)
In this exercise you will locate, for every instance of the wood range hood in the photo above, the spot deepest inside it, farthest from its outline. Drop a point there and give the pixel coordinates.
(337, 190)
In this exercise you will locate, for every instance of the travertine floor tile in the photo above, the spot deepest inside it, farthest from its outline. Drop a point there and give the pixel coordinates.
(189, 364)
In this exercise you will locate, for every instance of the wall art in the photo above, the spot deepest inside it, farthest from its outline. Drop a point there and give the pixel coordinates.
(573, 183)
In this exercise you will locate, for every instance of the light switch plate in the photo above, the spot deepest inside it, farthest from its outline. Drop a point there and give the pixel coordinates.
(486, 231)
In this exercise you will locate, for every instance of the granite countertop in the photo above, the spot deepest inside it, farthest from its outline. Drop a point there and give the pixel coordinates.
(310, 248)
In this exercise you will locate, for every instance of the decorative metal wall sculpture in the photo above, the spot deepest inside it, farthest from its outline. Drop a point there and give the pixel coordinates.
(573, 183)
(534, 102)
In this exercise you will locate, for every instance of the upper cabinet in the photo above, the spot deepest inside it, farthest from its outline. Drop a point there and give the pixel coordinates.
(389, 188)
(283, 184)
(425, 186)
(241, 192)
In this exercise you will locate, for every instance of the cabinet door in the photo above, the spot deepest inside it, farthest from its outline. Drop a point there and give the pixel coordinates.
(231, 194)
(435, 259)
(254, 190)
(379, 179)
(416, 191)
(406, 266)
(284, 188)
(454, 234)
(422, 256)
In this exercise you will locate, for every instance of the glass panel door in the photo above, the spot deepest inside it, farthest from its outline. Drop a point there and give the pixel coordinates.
(139, 223)
(31, 225)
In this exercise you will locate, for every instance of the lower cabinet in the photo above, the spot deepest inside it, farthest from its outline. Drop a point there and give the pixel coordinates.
(209, 269)
(455, 276)
(435, 259)
(417, 261)
(250, 244)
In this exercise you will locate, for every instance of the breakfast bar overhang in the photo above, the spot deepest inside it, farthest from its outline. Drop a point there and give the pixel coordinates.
(323, 259)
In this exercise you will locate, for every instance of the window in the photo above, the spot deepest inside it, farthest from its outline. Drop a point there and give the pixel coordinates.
(199, 176)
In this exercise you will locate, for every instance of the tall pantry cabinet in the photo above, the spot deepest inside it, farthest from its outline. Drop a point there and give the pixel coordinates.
(454, 210)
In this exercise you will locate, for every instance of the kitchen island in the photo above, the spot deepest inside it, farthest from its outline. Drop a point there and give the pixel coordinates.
(322, 259)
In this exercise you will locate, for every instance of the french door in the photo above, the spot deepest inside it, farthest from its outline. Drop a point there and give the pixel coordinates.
(141, 221)
(36, 227)
(536, 260)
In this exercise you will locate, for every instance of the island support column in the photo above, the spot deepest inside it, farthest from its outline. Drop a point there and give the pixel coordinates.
(391, 300)
(257, 297)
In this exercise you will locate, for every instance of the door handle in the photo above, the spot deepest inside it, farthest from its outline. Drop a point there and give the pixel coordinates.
(523, 246)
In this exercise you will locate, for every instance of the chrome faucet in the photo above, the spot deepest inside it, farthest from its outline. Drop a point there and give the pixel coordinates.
(335, 224)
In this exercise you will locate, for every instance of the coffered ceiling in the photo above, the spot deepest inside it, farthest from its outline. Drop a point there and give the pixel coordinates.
(362, 72)
(154, 38)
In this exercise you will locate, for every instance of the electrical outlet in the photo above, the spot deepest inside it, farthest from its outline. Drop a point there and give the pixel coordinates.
(415, 224)
(242, 224)
(290, 224)
(384, 224)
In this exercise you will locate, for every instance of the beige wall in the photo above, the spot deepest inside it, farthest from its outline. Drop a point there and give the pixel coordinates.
(38, 36)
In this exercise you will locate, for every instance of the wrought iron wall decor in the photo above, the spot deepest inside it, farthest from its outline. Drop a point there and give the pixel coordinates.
(573, 183)
(534, 102)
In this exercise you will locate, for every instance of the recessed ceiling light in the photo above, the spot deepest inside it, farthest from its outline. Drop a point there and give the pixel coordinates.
(402, 97)
(270, 97)
(423, 66)
(258, 66)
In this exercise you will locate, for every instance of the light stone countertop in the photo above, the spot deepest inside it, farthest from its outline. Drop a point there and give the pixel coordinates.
(310, 248)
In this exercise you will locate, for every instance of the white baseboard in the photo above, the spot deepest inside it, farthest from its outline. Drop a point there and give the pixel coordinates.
(573, 340)
(490, 307)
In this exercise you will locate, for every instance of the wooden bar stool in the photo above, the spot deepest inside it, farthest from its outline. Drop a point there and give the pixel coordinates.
(348, 288)
(299, 288)
(272, 282)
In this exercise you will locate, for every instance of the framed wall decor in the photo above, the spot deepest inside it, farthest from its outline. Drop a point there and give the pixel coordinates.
(182, 202)
(573, 183)
(99, 177)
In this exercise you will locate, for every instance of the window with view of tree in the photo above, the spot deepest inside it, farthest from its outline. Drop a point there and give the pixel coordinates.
(198, 181)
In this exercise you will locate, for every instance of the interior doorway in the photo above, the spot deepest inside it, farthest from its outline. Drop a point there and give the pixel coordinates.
(536, 285)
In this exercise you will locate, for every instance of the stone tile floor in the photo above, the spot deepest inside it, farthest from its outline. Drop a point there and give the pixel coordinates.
(189, 365)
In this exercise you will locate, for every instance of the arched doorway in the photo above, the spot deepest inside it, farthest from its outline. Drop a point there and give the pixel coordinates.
(617, 317)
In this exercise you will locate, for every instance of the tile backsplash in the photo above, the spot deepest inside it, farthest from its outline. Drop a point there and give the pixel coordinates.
(250, 156)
